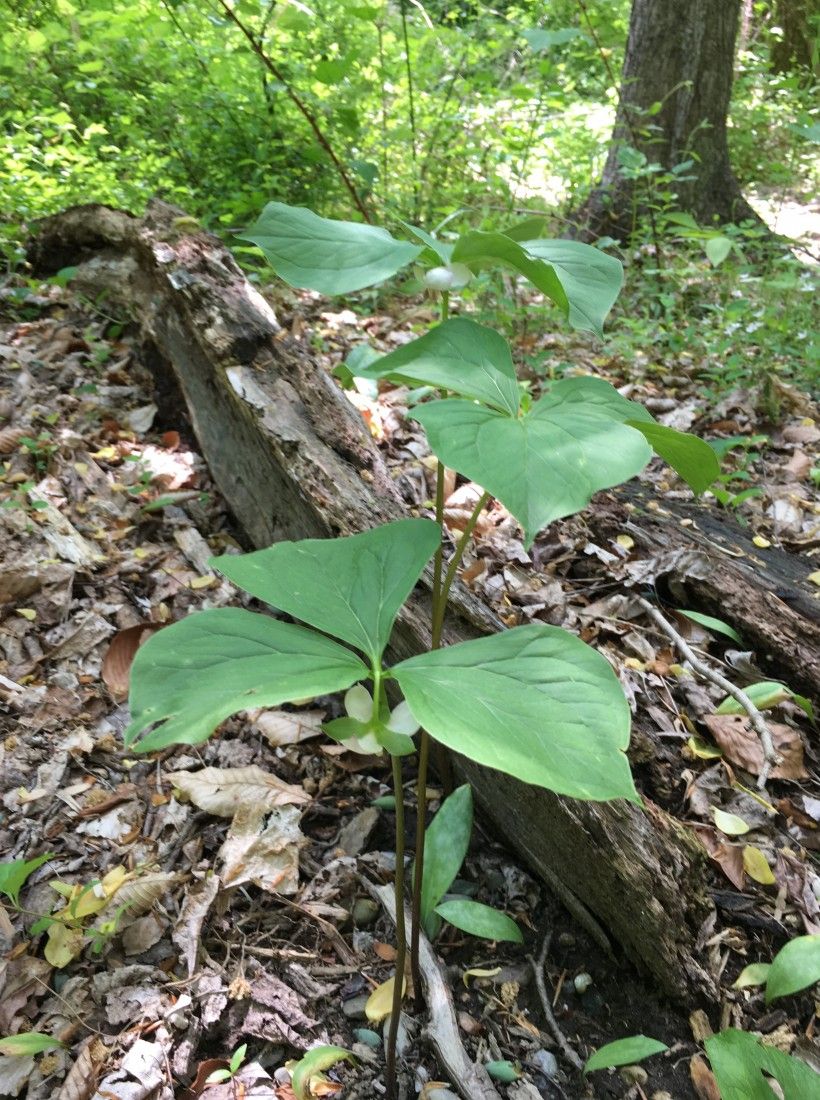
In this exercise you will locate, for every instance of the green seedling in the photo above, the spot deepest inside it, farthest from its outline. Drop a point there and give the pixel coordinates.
(227, 1073)
(534, 701)
(13, 875)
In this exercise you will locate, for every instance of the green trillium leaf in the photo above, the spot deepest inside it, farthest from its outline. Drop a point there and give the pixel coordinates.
(13, 875)
(193, 675)
(794, 967)
(624, 1052)
(548, 463)
(440, 249)
(691, 457)
(591, 279)
(349, 587)
(480, 920)
(480, 250)
(711, 623)
(28, 1043)
(534, 702)
(331, 257)
(446, 841)
(739, 1062)
(458, 355)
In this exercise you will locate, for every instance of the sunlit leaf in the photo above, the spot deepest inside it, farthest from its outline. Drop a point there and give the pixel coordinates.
(752, 975)
(349, 587)
(480, 920)
(535, 702)
(624, 1052)
(730, 824)
(192, 675)
(380, 1002)
(458, 355)
(795, 966)
(316, 1060)
(28, 1043)
(331, 257)
(757, 866)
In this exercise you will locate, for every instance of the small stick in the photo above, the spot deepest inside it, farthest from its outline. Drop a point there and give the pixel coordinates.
(538, 970)
(756, 720)
(471, 1080)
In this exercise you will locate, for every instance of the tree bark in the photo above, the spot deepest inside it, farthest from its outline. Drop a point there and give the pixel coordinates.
(674, 101)
(795, 49)
(293, 459)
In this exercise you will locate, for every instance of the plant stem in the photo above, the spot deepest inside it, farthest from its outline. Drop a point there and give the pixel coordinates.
(401, 935)
(452, 568)
(424, 738)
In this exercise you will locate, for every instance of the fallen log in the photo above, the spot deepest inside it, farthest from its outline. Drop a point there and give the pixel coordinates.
(294, 460)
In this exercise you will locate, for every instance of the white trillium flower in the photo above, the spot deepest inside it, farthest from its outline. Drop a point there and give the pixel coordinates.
(359, 705)
(448, 277)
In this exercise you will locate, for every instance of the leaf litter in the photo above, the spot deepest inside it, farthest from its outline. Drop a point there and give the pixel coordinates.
(212, 897)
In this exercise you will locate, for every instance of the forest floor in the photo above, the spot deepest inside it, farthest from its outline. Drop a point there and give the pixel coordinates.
(164, 927)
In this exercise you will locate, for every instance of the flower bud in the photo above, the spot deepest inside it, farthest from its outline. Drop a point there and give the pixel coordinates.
(449, 277)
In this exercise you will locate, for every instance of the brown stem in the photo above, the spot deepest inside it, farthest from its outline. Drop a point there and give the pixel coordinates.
(300, 105)
(452, 568)
(401, 936)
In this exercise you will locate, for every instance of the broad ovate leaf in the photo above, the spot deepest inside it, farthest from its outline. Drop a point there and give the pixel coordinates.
(687, 454)
(480, 250)
(591, 279)
(739, 1062)
(480, 920)
(445, 846)
(316, 1060)
(549, 462)
(730, 824)
(349, 587)
(757, 866)
(535, 702)
(765, 695)
(795, 966)
(193, 675)
(457, 355)
(331, 257)
(624, 1052)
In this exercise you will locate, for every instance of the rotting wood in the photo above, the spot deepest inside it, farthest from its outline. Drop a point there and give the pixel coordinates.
(294, 460)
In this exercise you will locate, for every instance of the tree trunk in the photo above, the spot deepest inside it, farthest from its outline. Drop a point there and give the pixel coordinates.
(293, 459)
(795, 49)
(675, 90)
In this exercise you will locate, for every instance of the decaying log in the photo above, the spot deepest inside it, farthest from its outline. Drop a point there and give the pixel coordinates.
(293, 459)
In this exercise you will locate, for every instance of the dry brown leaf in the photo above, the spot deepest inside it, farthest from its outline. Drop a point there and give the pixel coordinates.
(703, 1080)
(116, 666)
(138, 895)
(286, 727)
(799, 465)
(265, 854)
(729, 857)
(741, 745)
(10, 437)
(222, 791)
(81, 1081)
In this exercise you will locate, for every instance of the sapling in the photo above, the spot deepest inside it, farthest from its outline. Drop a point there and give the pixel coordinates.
(533, 701)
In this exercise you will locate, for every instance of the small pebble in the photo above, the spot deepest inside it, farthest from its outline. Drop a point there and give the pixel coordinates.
(370, 1038)
(365, 911)
(634, 1075)
(468, 1024)
(545, 1062)
(566, 939)
(353, 1008)
(440, 1094)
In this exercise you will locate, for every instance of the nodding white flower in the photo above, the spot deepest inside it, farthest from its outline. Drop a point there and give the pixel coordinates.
(359, 705)
(402, 721)
(448, 277)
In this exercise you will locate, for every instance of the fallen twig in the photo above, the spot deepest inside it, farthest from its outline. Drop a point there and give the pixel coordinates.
(472, 1081)
(538, 970)
(756, 720)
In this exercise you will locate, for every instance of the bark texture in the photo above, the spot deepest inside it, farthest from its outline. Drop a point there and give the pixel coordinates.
(675, 90)
(796, 49)
(294, 459)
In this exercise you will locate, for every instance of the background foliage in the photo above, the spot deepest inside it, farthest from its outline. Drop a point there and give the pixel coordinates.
(493, 110)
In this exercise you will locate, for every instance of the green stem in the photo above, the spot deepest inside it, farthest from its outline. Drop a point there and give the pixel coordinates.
(452, 568)
(401, 934)
(424, 738)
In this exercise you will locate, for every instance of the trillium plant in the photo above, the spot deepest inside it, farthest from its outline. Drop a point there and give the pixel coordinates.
(533, 701)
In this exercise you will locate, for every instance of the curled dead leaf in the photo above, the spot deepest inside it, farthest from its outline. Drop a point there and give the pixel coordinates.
(741, 745)
(703, 1080)
(9, 439)
(116, 666)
